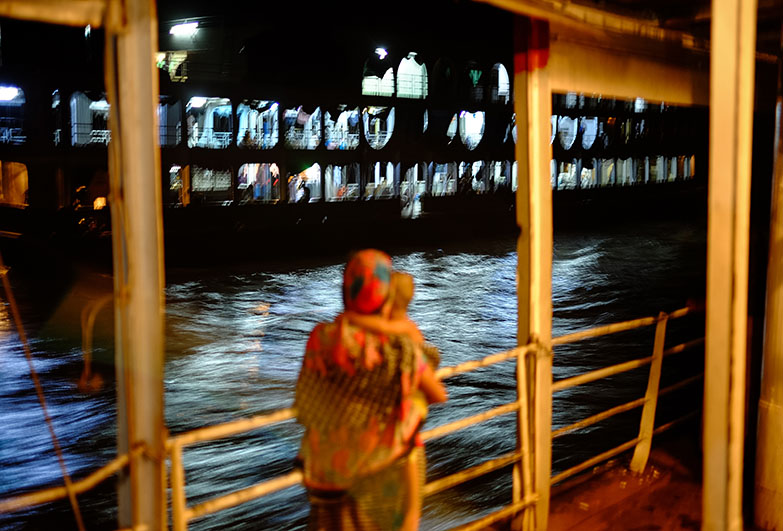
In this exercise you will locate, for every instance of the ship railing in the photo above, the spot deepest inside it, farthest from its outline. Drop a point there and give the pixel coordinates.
(522, 457)
(182, 513)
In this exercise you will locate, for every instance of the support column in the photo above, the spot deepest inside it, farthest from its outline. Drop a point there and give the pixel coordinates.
(769, 456)
(137, 244)
(732, 67)
(533, 107)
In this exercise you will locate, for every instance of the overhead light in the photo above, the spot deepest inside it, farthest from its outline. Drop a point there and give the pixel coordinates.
(197, 102)
(8, 93)
(100, 105)
(382, 53)
(186, 29)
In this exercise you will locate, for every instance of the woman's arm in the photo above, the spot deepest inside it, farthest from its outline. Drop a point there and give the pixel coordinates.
(432, 387)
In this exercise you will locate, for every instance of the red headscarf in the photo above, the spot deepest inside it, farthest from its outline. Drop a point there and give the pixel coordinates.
(366, 281)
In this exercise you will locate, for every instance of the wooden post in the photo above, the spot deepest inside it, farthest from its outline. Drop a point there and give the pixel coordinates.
(732, 65)
(647, 424)
(178, 499)
(769, 456)
(137, 244)
(533, 107)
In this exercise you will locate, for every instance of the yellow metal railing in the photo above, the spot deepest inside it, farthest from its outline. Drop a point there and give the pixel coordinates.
(182, 513)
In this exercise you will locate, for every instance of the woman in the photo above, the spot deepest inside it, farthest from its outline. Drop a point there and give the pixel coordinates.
(361, 396)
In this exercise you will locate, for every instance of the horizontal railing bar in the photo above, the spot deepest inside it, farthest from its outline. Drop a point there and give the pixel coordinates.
(619, 327)
(451, 427)
(681, 384)
(488, 520)
(604, 330)
(683, 346)
(448, 372)
(669, 425)
(235, 427)
(470, 473)
(241, 496)
(594, 461)
(589, 421)
(39, 497)
(620, 449)
(597, 374)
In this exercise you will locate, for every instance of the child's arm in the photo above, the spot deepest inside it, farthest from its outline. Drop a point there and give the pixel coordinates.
(381, 325)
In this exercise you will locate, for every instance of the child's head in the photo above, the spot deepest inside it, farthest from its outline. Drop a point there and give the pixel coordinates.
(402, 293)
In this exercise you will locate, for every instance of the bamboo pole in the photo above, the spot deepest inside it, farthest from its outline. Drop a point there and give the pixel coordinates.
(732, 66)
(642, 451)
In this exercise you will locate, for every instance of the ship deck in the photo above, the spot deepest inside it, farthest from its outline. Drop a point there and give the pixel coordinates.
(609, 497)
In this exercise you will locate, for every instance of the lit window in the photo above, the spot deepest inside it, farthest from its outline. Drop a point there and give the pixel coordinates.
(341, 183)
(501, 87)
(302, 128)
(589, 127)
(169, 122)
(341, 128)
(13, 183)
(411, 78)
(378, 125)
(444, 179)
(12, 102)
(378, 75)
(211, 185)
(305, 186)
(258, 124)
(567, 129)
(89, 119)
(209, 122)
(471, 128)
(381, 181)
(259, 182)
(475, 80)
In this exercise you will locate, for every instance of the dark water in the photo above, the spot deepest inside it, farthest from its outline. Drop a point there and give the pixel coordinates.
(234, 343)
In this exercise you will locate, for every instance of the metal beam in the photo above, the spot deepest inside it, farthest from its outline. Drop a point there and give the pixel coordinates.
(732, 69)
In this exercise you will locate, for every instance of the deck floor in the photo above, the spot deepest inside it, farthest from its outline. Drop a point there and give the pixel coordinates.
(667, 496)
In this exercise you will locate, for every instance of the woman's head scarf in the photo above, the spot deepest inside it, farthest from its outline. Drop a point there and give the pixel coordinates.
(366, 281)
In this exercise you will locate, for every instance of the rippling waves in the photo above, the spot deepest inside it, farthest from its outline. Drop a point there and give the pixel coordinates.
(234, 343)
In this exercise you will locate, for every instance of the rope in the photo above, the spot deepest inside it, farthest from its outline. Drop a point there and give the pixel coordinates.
(39, 391)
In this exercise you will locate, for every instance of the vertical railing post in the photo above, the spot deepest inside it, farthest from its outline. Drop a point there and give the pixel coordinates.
(523, 469)
(533, 108)
(647, 424)
(732, 74)
(178, 488)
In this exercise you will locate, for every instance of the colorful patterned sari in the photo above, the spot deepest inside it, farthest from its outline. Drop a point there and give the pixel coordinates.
(357, 397)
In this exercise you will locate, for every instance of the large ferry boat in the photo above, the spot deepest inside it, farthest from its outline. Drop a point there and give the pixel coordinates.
(338, 139)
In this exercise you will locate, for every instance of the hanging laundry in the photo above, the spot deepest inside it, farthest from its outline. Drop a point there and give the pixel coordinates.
(302, 117)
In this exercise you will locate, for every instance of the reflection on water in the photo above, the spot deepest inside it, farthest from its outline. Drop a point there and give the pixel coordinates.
(234, 343)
